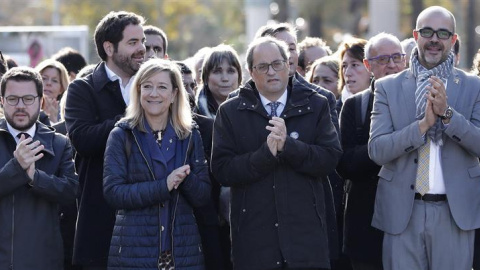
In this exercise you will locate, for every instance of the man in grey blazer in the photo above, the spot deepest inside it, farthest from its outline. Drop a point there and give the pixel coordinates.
(426, 122)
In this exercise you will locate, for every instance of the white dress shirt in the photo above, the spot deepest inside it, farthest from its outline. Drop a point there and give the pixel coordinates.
(125, 89)
(282, 100)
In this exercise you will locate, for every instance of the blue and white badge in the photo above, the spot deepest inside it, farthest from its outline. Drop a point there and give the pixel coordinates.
(294, 135)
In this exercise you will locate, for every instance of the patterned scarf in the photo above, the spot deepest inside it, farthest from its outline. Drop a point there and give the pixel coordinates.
(422, 75)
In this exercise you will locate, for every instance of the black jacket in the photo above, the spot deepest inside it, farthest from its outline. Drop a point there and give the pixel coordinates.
(278, 214)
(29, 222)
(362, 242)
(93, 106)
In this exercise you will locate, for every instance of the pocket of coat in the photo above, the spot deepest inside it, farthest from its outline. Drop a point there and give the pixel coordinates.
(474, 171)
(386, 174)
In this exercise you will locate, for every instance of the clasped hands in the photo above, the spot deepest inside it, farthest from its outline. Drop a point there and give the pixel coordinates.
(176, 177)
(436, 103)
(26, 153)
(278, 135)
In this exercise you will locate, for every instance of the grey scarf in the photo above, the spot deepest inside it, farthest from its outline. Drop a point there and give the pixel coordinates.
(422, 75)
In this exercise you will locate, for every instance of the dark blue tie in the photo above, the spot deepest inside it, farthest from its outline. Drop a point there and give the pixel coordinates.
(273, 108)
(26, 135)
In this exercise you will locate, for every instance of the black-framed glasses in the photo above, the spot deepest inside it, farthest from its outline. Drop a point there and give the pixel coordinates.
(27, 99)
(428, 32)
(277, 65)
(384, 59)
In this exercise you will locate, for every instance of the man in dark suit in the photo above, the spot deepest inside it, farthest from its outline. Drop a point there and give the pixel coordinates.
(36, 175)
(424, 133)
(93, 106)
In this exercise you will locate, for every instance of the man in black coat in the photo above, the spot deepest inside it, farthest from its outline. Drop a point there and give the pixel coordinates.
(362, 242)
(275, 166)
(36, 175)
(93, 106)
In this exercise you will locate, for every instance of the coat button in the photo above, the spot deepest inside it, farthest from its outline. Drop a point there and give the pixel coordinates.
(163, 228)
(276, 224)
(244, 210)
(412, 187)
(300, 111)
(278, 263)
(415, 161)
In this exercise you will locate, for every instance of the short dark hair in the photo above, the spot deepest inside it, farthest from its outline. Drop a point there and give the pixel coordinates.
(22, 74)
(184, 69)
(215, 57)
(153, 30)
(3, 65)
(273, 29)
(71, 59)
(110, 28)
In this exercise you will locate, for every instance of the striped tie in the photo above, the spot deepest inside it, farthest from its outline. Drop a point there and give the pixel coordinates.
(273, 108)
(422, 184)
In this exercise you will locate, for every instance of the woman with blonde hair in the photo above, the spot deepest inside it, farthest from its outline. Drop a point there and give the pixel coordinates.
(55, 83)
(155, 173)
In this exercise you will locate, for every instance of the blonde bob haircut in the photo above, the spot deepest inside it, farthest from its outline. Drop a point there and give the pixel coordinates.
(179, 111)
(62, 71)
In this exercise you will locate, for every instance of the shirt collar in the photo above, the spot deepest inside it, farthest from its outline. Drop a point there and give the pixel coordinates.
(282, 99)
(113, 77)
(31, 131)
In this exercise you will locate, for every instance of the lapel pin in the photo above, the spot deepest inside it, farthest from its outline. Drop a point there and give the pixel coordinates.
(456, 80)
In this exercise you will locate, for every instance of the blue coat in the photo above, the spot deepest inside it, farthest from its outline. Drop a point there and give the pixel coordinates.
(132, 187)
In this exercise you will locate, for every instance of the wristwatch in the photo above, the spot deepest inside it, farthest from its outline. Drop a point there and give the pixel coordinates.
(447, 114)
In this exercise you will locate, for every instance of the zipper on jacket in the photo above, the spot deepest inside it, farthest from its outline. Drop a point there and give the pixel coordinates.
(13, 231)
(159, 205)
(173, 225)
(159, 235)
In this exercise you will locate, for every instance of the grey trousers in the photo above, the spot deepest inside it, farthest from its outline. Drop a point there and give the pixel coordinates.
(431, 241)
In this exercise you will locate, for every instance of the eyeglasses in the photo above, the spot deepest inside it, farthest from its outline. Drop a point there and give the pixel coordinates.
(27, 100)
(428, 32)
(277, 65)
(384, 59)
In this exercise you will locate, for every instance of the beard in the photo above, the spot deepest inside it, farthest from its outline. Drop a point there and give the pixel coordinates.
(23, 126)
(126, 63)
(433, 61)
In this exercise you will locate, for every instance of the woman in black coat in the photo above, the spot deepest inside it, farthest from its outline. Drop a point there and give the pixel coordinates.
(155, 173)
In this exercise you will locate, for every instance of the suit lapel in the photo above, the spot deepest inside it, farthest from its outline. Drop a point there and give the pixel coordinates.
(453, 88)
(409, 87)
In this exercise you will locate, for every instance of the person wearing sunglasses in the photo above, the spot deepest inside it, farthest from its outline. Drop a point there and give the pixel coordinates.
(424, 133)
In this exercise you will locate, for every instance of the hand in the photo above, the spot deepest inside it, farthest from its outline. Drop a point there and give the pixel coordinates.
(27, 152)
(278, 131)
(272, 144)
(176, 177)
(51, 107)
(429, 119)
(437, 94)
(31, 171)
